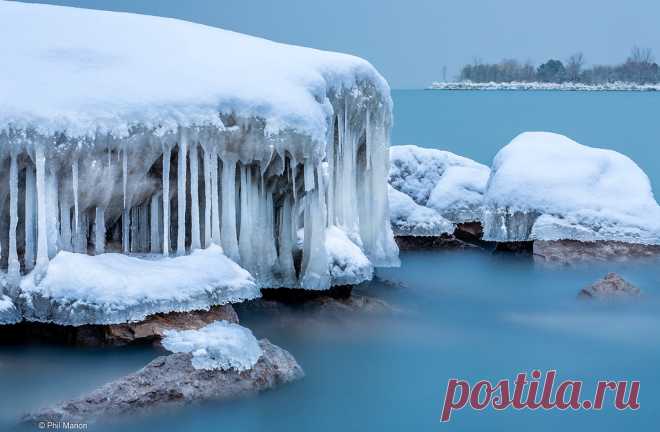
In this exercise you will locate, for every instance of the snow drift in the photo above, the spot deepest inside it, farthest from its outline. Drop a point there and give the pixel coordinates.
(411, 219)
(450, 184)
(138, 134)
(545, 186)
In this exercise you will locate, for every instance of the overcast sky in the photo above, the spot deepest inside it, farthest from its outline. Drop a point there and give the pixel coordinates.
(410, 41)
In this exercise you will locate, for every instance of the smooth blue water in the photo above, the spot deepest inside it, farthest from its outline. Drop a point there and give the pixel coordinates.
(464, 314)
(477, 124)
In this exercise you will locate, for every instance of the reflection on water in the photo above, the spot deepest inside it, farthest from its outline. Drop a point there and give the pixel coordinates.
(462, 314)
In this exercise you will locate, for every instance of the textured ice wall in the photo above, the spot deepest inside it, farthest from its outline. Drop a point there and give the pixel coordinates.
(237, 141)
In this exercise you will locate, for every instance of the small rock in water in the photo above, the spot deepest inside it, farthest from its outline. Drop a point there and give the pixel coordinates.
(611, 286)
(172, 381)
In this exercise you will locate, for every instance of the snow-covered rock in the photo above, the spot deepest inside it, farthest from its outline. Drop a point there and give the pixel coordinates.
(411, 219)
(235, 141)
(114, 288)
(545, 186)
(450, 184)
(9, 314)
(219, 345)
(171, 381)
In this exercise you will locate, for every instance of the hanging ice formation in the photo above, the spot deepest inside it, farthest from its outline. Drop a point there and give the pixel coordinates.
(262, 176)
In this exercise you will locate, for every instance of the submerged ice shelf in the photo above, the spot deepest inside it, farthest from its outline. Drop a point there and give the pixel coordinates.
(240, 150)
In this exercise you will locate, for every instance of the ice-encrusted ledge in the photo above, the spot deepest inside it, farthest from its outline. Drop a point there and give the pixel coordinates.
(239, 150)
(114, 288)
(545, 186)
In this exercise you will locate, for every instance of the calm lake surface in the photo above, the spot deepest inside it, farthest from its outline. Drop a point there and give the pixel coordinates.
(470, 315)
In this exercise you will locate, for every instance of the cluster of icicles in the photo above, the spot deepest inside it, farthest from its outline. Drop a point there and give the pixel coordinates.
(254, 195)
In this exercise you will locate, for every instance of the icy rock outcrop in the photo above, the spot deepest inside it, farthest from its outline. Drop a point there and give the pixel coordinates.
(450, 184)
(572, 252)
(113, 288)
(171, 381)
(9, 314)
(239, 149)
(545, 186)
(219, 345)
(411, 219)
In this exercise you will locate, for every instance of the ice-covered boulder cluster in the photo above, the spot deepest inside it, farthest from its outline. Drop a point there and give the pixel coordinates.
(168, 136)
(432, 190)
(542, 186)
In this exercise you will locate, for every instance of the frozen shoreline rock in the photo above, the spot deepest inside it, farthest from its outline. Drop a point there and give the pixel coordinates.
(450, 184)
(612, 286)
(569, 252)
(113, 158)
(544, 186)
(173, 381)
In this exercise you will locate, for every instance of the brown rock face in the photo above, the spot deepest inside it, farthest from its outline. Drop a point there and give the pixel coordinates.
(172, 381)
(611, 286)
(431, 242)
(567, 252)
(154, 327)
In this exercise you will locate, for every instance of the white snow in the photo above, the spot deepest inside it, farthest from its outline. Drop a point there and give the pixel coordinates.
(80, 70)
(565, 86)
(579, 192)
(450, 184)
(219, 345)
(9, 314)
(348, 264)
(114, 288)
(411, 219)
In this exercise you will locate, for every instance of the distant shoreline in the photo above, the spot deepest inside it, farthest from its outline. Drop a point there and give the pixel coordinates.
(543, 86)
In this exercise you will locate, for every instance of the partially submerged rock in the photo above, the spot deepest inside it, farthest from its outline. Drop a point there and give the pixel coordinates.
(569, 252)
(611, 286)
(445, 241)
(173, 381)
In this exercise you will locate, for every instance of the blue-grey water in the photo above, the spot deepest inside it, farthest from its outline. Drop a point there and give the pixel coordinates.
(468, 315)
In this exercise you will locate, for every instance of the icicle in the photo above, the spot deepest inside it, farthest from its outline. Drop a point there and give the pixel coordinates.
(229, 240)
(194, 196)
(166, 201)
(42, 222)
(154, 225)
(76, 209)
(245, 237)
(207, 197)
(292, 165)
(99, 231)
(125, 219)
(52, 213)
(314, 254)
(367, 136)
(30, 217)
(65, 222)
(14, 269)
(285, 258)
(215, 207)
(181, 193)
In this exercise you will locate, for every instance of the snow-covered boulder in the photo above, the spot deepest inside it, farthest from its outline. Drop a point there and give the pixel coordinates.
(235, 141)
(348, 264)
(220, 345)
(545, 186)
(450, 184)
(115, 288)
(9, 314)
(411, 219)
